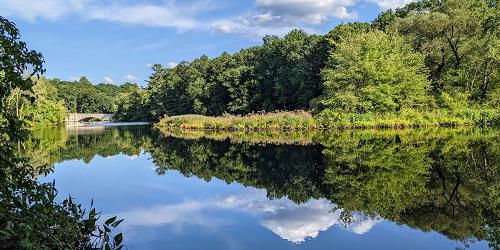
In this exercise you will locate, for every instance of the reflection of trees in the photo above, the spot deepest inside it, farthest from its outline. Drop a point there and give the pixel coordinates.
(250, 137)
(50, 146)
(442, 180)
(292, 171)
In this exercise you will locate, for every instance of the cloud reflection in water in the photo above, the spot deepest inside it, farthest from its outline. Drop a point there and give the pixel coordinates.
(292, 222)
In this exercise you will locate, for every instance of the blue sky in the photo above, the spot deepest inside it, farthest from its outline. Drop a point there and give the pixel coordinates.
(118, 40)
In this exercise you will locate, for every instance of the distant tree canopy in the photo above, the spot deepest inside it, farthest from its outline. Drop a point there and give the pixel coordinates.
(49, 101)
(83, 97)
(428, 55)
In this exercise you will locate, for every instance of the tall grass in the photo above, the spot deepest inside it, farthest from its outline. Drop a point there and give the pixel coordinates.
(298, 120)
(331, 119)
(409, 119)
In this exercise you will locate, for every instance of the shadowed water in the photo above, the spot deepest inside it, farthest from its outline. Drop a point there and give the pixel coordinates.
(409, 189)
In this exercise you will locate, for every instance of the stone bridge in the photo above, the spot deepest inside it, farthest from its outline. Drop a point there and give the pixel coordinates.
(80, 117)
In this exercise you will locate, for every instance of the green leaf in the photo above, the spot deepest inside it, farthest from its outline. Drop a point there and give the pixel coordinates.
(116, 223)
(110, 220)
(118, 239)
(92, 214)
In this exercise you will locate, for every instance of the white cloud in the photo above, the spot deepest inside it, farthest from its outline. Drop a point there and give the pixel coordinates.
(299, 223)
(148, 65)
(166, 14)
(172, 65)
(277, 17)
(292, 222)
(390, 4)
(362, 226)
(168, 214)
(40, 9)
(108, 79)
(254, 25)
(74, 78)
(311, 11)
(130, 77)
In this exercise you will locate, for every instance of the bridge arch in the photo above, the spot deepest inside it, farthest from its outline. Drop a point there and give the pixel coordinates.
(82, 117)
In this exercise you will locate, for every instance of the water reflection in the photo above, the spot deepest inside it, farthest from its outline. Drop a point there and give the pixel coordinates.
(298, 186)
(293, 222)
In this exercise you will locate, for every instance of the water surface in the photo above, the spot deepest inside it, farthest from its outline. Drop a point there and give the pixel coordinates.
(411, 189)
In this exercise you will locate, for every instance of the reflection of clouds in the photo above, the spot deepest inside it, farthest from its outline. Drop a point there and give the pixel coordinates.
(132, 157)
(298, 223)
(177, 216)
(361, 225)
(177, 213)
(292, 222)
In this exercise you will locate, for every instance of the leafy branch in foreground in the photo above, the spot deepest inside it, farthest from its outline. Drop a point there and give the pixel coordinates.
(30, 218)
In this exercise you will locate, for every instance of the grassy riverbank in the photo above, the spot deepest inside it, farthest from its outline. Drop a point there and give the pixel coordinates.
(301, 120)
(298, 120)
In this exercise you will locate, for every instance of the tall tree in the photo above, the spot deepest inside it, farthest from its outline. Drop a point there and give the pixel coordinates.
(459, 39)
(375, 72)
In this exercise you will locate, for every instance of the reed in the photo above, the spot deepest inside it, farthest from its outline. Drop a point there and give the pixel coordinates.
(331, 119)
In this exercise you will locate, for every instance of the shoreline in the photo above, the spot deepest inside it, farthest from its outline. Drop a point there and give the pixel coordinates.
(305, 121)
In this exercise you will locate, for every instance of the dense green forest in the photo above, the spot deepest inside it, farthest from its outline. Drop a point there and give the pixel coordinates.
(432, 61)
(49, 101)
(37, 107)
(84, 97)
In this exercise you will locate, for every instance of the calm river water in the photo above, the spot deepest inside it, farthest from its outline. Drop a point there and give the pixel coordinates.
(409, 189)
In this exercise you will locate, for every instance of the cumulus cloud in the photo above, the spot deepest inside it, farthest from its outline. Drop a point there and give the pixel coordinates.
(311, 11)
(292, 222)
(130, 77)
(280, 16)
(40, 9)
(299, 223)
(274, 17)
(362, 226)
(166, 14)
(390, 4)
(255, 25)
(108, 79)
(74, 78)
(168, 214)
(172, 65)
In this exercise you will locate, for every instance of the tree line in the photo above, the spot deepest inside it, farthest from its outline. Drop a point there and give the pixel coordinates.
(429, 179)
(84, 97)
(49, 100)
(431, 55)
